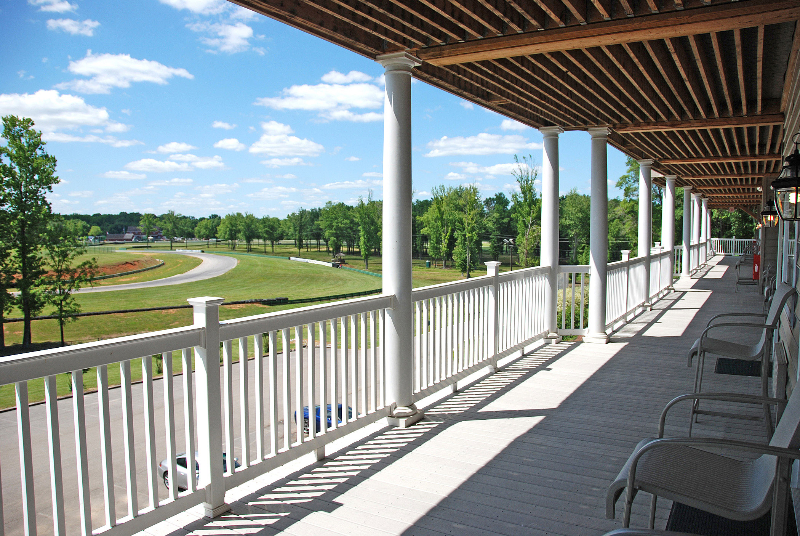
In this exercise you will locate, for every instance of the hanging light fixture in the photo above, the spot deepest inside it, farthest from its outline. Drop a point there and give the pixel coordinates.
(787, 185)
(769, 216)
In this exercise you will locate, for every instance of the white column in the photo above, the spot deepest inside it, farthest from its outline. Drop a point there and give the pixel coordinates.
(598, 237)
(686, 267)
(668, 220)
(209, 400)
(696, 219)
(549, 249)
(396, 249)
(703, 229)
(645, 221)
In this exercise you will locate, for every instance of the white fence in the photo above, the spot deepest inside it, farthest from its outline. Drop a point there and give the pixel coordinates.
(732, 246)
(323, 356)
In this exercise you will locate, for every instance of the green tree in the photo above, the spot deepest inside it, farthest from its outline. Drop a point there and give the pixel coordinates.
(27, 176)
(147, 223)
(270, 231)
(368, 217)
(336, 222)
(573, 224)
(526, 209)
(249, 229)
(62, 249)
(170, 225)
(229, 229)
(7, 271)
(439, 222)
(206, 228)
(498, 222)
(297, 224)
(470, 224)
(95, 231)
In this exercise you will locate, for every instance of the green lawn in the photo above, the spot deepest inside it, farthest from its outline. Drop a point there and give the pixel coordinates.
(173, 265)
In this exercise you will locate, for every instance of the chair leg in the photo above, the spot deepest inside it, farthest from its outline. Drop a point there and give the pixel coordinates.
(626, 516)
(653, 511)
(765, 392)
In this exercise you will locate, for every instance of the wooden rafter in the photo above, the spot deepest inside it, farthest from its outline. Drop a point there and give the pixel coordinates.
(718, 159)
(712, 123)
(716, 18)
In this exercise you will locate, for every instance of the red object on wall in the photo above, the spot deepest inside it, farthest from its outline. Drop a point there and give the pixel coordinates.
(756, 266)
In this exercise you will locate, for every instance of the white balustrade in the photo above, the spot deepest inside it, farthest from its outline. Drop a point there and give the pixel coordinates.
(290, 363)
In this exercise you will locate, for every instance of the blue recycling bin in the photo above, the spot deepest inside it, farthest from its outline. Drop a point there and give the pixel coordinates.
(329, 416)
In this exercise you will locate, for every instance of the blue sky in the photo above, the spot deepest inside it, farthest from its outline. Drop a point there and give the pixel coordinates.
(202, 107)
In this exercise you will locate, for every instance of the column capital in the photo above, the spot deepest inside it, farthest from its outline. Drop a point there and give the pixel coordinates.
(646, 162)
(687, 188)
(599, 132)
(549, 132)
(399, 61)
(705, 202)
(670, 178)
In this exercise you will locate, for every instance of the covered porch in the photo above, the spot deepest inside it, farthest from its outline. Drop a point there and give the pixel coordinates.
(528, 450)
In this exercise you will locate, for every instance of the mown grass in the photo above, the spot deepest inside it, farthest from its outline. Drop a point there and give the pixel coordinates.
(173, 265)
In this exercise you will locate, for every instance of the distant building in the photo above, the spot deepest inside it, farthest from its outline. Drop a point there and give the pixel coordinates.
(134, 234)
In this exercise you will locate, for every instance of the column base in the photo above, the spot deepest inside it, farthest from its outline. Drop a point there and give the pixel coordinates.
(403, 417)
(648, 306)
(596, 338)
(210, 512)
(552, 338)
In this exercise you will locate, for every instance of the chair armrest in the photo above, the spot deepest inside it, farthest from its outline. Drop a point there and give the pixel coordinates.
(722, 315)
(780, 452)
(723, 397)
(704, 335)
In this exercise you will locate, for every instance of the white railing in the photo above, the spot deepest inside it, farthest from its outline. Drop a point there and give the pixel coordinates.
(732, 246)
(457, 325)
(315, 356)
(573, 300)
(677, 251)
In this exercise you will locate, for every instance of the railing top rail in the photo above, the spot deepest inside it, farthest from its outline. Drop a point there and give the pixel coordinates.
(623, 264)
(250, 325)
(43, 363)
(451, 287)
(573, 268)
(522, 273)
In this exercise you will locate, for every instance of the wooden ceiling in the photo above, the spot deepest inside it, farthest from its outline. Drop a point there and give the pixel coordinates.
(709, 89)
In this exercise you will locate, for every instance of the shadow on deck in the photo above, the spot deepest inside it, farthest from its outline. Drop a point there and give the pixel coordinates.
(529, 450)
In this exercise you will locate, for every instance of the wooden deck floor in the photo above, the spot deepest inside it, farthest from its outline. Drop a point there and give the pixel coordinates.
(529, 450)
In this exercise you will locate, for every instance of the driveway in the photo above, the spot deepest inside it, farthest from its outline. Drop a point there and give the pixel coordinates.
(212, 266)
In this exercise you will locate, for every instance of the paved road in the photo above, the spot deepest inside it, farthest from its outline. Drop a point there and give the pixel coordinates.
(212, 266)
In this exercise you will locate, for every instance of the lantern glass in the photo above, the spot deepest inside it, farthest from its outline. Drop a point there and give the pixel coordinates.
(787, 186)
(769, 216)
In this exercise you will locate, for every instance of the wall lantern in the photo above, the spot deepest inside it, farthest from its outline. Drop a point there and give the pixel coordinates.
(769, 216)
(787, 185)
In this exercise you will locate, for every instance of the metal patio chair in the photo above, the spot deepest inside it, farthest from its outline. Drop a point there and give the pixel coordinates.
(706, 344)
(682, 470)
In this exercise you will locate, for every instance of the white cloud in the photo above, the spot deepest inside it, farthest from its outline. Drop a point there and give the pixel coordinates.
(106, 71)
(82, 193)
(89, 138)
(126, 111)
(346, 185)
(496, 169)
(332, 101)
(352, 159)
(54, 6)
(372, 174)
(157, 166)
(482, 144)
(171, 182)
(510, 124)
(214, 190)
(256, 181)
(123, 175)
(223, 124)
(230, 38)
(467, 106)
(202, 7)
(231, 144)
(286, 176)
(277, 141)
(175, 147)
(278, 162)
(453, 176)
(335, 77)
(74, 27)
(113, 126)
(273, 192)
(52, 111)
(212, 162)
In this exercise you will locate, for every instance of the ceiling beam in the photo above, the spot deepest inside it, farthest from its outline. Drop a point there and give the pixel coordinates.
(725, 176)
(718, 159)
(701, 20)
(720, 122)
(726, 187)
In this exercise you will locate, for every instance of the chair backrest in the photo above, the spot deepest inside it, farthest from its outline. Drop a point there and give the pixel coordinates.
(779, 299)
